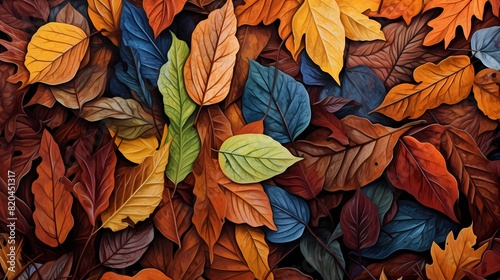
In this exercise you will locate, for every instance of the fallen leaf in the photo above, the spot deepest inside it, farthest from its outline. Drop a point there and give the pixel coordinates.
(161, 13)
(144, 274)
(68, 14)
(484, 42)
(58, 269)
(189, 260)
(255, 250)
(302, 180)
(136, 150)
(403, 265)
(324, 256)
(358, 26)
(490, 264)
(105, 16)
(289, 273)
(393, 9)
(5, 260)
(487, 92)
(160, 255)
(256, 127)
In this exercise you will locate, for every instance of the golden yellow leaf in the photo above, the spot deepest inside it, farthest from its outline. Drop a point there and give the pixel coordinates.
(319, 21)
(255, 250)
(448, 82)
(136, 150)
(5, 258)
(105, 15)
(487, 92)
(358, 26)
(448, 264)
(55, 53)
(138, 190)
(384, 277)
(209, 68)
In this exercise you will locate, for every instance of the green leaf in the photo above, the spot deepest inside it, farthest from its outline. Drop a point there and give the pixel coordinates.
(179, 109)
(252, 158)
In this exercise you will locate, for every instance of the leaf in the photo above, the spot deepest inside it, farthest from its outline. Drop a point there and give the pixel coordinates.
(161, 13)
(209, 67)
(271, 55)
(289, 114)
(487, 92)
(138, 191)
(179, 109)
(17, 263)
(311, 73)
(210, 206)
(256, 127)
(413, 228)
(126, 116)
(325, 261)
(489, 265)
(322, 118)
(251, 158)
(290, 213)
(302, 180)
(362, 162)
(124, 248)
(58, 269)
(404, 265)
(325, 34)
(290, 273)
(380, 192)
(458, 254)
(136, 34)
(190, 258)
(68, 45)
(322, 204)
(255, 250)
(448, 82)
(52, 215)
(485, 42)
(421, 170)
(144, 274)
(358, 26)
(457, 13)
(105, 15)
(159, 255)
(359, 222)
(68, 14)
(246, 203)
(138, 149)
(475, 177)
(393, 9)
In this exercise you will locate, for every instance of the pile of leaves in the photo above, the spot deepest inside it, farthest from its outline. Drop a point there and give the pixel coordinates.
(268, 139)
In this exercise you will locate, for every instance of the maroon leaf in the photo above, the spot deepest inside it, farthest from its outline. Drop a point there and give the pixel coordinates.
(301, 180)
(58, 269)
(332, 103)
(189, 260)
(288, 273)
(489, 265)
(321, 117)
(320, 206)
(160, 256)
(403, 265)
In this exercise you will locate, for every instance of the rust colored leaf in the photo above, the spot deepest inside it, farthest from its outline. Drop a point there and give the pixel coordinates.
(43, 96)
(161, 13)
(359, 221)
(322, 204)
(322, 118)
(288, 273)
(489, 265)
(52, 215)
(68, 14)
(144, 274)
(393, 9)
(269, 56)
(160, 255)
(189, 260)
(9, 96)
(256, 127)
(420, 169)
(58, 269)
(402, 265)
(105, 15)
(302, 180)
(220, 127)
(252, 40)
(235, 116)
(173, 217)
(470, 167)
(255, 250)
(487, 92)
(209, 68)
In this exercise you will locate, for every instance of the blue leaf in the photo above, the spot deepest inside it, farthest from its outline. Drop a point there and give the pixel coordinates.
(311, 73)
(290, 214)
(290, 111)
(118, 88)
(129, 74)
(362, 85)
(486, 44)
(413, 228)
(138, 35)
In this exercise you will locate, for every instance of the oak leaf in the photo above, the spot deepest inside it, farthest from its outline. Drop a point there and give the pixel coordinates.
(105, 15)
(393, 9)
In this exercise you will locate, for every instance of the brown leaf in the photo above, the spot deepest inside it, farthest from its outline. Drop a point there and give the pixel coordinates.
(189, 260)
(489, 264)
(9, 96)
(160, 256)
(322, 118)
(288, 273)
(58, 269)
(269, 57)
(401, 265)
(320, 206)
(302, 180)
(43, 96)
(68, 14)
(487, 92)
(161, 13)
(235, 116)
(256, 127)
(52, 215)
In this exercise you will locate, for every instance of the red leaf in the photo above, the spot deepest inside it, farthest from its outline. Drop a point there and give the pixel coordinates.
(269, 55)
(321, 117)
(160, 256)
(302, 180)
(402, 265)
(359, 222)
(289, 273)
(322, 204)
(161, 13)
(190, 258)
(256, 127)
(332, 103)
(489, 265)
(58, 269)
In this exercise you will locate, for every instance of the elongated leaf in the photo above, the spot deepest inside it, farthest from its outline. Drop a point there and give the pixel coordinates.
(302, 180)
(413, 228)
(190, 258)
(209, 67)
(322, 259)
(252, 158)
(289, 114)
(255, 250)
(179, 109)
(485, 42)
(160, 255)
(380, 192)
(124, 248)
(357, 25)
(52, 215)
(57, 269)
(58, 64)
(290, 213)
(105, 15)
(161, 13)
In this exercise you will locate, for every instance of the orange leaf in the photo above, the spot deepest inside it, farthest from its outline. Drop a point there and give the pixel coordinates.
(393, 9)
(145, 274)
(209, 68)
(458, 254)
(256, 127)
(52, 215)
(456, 13)
(487, 92)
(448, 82)
(190, 258)
(235, 116)
(255, 250)
(105, 15)
(420, 169)
(161, 13)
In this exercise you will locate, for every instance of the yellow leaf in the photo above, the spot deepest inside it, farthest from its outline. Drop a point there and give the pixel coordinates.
(5, 258)
(358, 26)
(105, 15)
(209, 68)
(384, 277)
(255, 250)
(136, 150)
(448, 264)
(55, 53)
(487, 92)
(319, 21)
(138, 190)
(448, 82)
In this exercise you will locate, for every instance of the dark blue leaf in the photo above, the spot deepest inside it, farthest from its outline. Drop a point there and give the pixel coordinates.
(129, 74)
(311, 73)
(290, 111)
(362, 85)
(138, 35)
(290, 214)
(413, 228)
(485, 44)
(118, 88)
